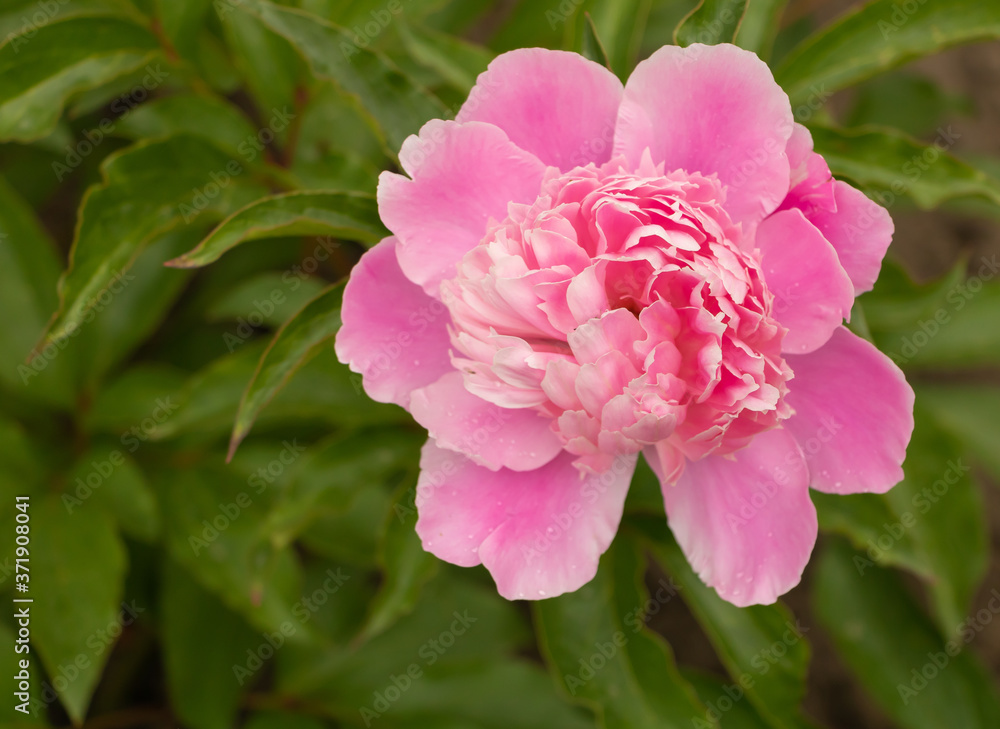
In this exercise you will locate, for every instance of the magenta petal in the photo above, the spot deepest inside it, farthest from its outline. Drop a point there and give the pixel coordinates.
(711, 109)
(746, 522)
(853, 415)
(462, 176)
(559, 106)
(812, 292)
(540, 533)
(860, 230)
(395, 348)
(491, 436)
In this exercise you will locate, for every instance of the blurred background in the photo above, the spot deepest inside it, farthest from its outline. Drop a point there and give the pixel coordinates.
(285, 587)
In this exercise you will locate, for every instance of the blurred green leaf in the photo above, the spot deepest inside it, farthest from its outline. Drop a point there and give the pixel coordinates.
(38, 74)
(879, 36)
(764, 647)
(889, 164)
(398, 105)
(283, 720)
(199, 631)
(620, 26)
(591, 46)
(349, 215)
(907, 102)
(759, 26)
(599, 650)
(265, 296)
(213, 521)
(294, 344)
(207, 117)
(894, 649)
(77, 569)
(182, 22)
(332, 475)
(122, 492)
(711, 22)
(740, 716)
(29, 270)
(406, 567)
(148, 190)
(457, 61)
(969, 413)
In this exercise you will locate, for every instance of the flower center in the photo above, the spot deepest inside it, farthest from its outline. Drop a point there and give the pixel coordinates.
(628, 308)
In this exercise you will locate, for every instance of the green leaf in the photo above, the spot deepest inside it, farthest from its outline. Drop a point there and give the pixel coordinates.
(763, 647)
(888, 642)
(207, 117)
(590, 44)
(968, 412)
(710, 688)
(214, 528)
(457, 61)
(296, 342)
(599, 650)
(28, 274)
(711, 22)
(331, 476)
(759, 26)
(406, 567)
(349, 215)
(397, 104)
(890, 164)
(265, 296)
(77, 569)
(148, 190)
(880, 36)
(64, 57)
(282, 720)
(182, 22)
(272, 69)
(199, 631)
(107, 479)
(322, 389)
(620, 27)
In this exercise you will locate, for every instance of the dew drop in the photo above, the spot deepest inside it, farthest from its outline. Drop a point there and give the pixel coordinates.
(542, 593)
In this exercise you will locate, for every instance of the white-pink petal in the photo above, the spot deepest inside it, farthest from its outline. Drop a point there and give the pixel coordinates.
(540, 533)
(396, 348)
(714, 110)
(746, 522)
(557, 105)
(853, 415)
(812, 292)
(492, 436)
(463, 175)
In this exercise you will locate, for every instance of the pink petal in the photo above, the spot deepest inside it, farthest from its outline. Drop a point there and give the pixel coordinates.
(559, 106)
(712, 109)
(395, 348)
(491, 436)
(540, 533)
(853, 415)
(812, 292)
(462, 176)
(860, 230)
(746, 522)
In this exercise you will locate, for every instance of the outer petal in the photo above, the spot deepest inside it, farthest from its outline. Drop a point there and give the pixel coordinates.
(462, 175)
(853, 415)
(712, 109)
(492, 436)
(540, 533)
(557, 105)
(812, 292)
(746, 523)
(394, 334)
(860, 230)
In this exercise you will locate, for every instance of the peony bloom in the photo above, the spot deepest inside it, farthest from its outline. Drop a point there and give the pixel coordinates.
(581, 273)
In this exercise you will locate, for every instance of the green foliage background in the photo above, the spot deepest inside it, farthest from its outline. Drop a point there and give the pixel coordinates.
(239, 142)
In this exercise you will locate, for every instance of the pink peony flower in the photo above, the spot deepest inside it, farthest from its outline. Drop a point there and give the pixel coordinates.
(580, 273)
